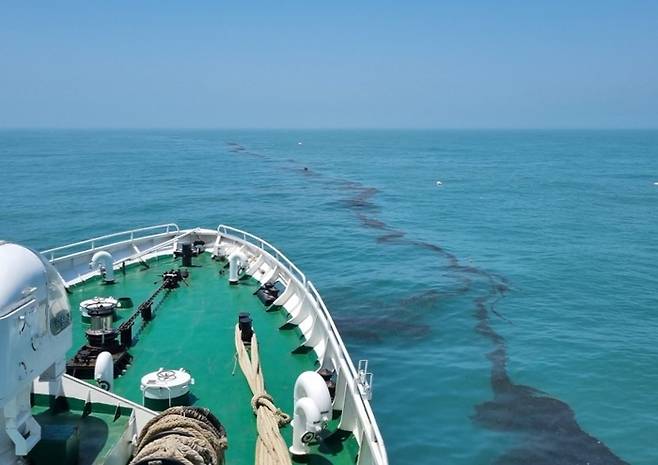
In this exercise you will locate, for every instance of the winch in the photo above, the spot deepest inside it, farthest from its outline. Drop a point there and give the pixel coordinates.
(97, 303)
(101, 316)
(267, 294)
(171, 278)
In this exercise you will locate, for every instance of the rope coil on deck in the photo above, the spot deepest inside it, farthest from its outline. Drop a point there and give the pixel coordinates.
(271, 449)
(181, 435)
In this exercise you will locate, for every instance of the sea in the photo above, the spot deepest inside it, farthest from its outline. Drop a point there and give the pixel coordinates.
(502, 284)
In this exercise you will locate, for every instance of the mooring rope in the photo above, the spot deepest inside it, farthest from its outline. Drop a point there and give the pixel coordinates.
(271, 449)
(183, 435)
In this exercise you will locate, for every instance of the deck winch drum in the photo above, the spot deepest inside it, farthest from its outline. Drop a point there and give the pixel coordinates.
(98, 306)
(101, 318)
(101, 315)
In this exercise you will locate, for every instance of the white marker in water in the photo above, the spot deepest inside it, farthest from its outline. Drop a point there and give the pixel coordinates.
(655, 183)
(439, 183)
(299, 143)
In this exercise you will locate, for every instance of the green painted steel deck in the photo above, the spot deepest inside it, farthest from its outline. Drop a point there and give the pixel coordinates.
(97, 430)
(193, 328)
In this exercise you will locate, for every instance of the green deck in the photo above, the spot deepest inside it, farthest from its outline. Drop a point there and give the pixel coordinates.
(194, 329)
(98, 429)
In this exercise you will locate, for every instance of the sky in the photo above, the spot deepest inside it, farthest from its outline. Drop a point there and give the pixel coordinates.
(332, 64)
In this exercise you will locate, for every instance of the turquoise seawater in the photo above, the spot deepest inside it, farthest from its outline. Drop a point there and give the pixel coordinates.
(509, 314)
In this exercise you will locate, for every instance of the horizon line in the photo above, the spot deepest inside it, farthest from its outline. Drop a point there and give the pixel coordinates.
(329, 128)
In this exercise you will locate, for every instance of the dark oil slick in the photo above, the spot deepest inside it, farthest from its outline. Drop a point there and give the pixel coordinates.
(548, 427)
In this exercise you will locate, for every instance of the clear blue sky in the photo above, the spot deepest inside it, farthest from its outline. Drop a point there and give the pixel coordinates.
(438, 64)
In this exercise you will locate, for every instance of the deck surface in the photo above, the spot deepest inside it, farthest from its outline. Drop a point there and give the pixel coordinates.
(99, 429)
(193, 328)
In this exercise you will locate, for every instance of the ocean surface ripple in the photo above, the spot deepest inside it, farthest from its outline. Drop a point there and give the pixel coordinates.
(508, 312)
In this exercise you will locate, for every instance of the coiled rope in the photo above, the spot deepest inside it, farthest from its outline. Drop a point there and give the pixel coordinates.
(181, 435)
(271, 449)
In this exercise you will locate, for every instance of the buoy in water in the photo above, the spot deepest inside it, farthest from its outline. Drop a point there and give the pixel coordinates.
(439, 183)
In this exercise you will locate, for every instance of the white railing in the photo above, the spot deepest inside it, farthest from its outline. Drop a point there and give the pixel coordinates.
(265, 246)
(366, 415)
(65, 251)
(364, 411)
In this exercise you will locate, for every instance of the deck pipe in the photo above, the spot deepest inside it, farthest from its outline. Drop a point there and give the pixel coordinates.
(236, 261)
(103, 260)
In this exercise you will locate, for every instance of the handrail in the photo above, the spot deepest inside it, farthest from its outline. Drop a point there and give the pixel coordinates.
(169, 227)
(159, 246)
(332, 332)
(348, 361)
(263, 245)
